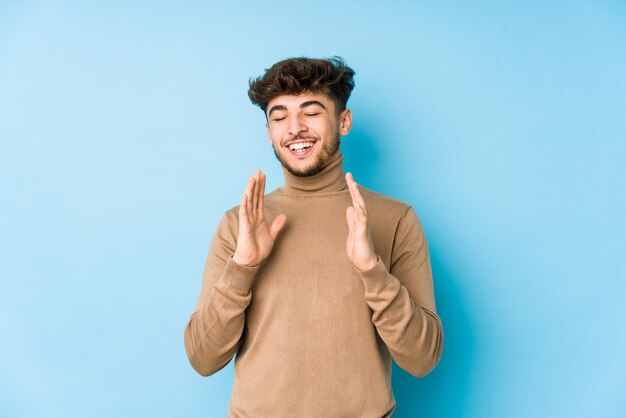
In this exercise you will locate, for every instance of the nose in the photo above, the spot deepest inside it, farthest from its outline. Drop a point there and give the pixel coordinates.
(296, 125)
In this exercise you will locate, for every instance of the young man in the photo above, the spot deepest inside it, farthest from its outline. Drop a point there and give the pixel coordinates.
(319, 284)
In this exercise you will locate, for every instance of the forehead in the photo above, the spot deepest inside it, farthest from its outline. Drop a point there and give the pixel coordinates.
(290, 101)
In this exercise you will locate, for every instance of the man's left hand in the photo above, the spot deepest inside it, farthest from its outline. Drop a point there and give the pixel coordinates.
(360, 245)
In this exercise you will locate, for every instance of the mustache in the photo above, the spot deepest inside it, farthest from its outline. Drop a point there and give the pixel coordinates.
(300, 137)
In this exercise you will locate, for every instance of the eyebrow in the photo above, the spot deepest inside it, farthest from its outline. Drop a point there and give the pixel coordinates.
(277, 107)
(303, 105)
(311, 103)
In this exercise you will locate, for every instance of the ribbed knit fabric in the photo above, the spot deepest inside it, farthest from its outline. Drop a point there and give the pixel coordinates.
(314, 337)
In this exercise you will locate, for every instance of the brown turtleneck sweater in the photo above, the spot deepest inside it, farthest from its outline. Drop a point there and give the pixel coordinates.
(314, 337)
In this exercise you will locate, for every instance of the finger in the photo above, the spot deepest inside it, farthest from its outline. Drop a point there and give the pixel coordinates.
(243, 213)
(358, 205)
(262, 193)
(249, 192)
(277, 225)
(255, 192)
(350, 216)
(357, 194)
(362, 214)
(249, 187)
(351, 183)
(357, 199)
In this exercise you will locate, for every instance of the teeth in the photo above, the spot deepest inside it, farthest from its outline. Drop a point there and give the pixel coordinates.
(300, 146)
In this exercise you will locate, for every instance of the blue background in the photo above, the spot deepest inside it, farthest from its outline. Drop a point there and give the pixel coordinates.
(126, 132)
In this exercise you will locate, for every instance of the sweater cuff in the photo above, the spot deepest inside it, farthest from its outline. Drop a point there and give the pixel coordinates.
(238, 276)
(377, 278)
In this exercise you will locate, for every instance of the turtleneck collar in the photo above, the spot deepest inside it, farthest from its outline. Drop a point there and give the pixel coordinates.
(330, 179)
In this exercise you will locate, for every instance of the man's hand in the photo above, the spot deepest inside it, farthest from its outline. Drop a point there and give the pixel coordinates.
(360, 245)
(255, 239)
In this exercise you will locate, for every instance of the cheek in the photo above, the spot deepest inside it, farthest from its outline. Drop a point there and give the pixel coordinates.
(330, 131)
(275, 139)
(321, 129)
(273, 135)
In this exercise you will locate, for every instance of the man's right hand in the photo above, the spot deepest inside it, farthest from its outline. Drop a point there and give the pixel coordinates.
(255, 239)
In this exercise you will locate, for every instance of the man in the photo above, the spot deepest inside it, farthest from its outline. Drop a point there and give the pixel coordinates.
(319, 284)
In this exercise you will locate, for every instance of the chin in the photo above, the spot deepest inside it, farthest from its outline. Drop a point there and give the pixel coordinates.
(306, 171)
(316, 165)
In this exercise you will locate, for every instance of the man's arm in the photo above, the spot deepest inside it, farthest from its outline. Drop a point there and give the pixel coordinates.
(402, 296)
(214, 330)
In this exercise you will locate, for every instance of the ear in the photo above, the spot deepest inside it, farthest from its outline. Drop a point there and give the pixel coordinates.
(267, 128)
(345, 122)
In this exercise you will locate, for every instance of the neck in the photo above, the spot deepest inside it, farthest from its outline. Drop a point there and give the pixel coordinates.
(330, 179)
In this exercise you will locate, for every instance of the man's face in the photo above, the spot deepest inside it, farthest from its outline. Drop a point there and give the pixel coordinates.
(305, 131)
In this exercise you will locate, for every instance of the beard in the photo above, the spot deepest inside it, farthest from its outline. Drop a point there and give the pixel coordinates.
(326, 154)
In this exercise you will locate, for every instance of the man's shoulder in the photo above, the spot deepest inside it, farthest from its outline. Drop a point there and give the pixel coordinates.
(380, 202)
(231, 213)
(230, 219)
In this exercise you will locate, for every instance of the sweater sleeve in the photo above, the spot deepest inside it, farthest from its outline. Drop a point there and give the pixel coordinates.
(214, 330)
(402, 300)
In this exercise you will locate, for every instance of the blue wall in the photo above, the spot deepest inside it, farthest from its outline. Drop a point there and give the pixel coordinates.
(126, 131)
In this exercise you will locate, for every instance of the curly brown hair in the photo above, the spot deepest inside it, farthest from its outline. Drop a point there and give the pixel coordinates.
(294, 76)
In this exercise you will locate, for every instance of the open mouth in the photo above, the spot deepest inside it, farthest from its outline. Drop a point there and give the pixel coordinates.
(300, 149)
